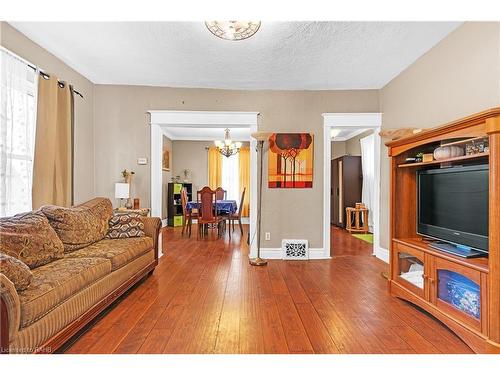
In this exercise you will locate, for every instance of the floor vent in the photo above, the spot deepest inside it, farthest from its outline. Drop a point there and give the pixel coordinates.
(295, 249)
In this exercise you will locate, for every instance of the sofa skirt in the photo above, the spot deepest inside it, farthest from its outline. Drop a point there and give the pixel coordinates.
(32, 337)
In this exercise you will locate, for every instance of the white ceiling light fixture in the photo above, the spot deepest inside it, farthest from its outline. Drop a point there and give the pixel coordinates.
(334, 132)
(227, 147)
(233, 30)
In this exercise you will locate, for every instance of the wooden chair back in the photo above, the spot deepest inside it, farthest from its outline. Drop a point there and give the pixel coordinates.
(240, 207)
(207, 200)
(184, 200)
(220, 194)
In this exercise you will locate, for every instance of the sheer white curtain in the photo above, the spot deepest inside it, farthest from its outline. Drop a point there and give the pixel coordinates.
(231, 176)
(17, 134)
(368, 166)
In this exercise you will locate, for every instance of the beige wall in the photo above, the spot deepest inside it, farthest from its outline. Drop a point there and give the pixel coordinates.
(84, 108)
(337, 149)
(456, 78)
(193, 156)
(166, 176)
(122, 135)
(353, 145)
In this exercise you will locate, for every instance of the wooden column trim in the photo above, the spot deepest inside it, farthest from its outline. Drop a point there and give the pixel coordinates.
(493, 129)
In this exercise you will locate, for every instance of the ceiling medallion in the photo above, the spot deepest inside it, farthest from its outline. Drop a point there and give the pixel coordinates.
(227, 147)
(233, 30)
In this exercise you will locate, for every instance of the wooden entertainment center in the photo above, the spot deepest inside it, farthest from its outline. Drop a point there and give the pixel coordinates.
(421, 274)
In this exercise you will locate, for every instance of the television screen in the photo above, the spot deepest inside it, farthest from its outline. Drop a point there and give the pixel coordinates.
(453, 205)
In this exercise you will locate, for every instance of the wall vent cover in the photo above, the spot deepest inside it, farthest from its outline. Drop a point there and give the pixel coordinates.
(295, 249)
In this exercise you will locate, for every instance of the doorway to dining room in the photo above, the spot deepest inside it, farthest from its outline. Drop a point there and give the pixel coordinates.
(187, 139)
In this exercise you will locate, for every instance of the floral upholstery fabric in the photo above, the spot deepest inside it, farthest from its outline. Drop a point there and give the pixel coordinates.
(30, 238)
(57, 281)
(125, 225)
(16, 271)
(81, 225)
(118, 251)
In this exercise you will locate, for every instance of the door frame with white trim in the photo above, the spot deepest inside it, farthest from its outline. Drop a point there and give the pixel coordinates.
(351, 120)
(200, 119)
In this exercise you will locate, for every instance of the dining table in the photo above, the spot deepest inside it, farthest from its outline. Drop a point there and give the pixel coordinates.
(224, 205)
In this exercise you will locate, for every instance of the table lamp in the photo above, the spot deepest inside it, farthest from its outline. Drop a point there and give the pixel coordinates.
(122, 191)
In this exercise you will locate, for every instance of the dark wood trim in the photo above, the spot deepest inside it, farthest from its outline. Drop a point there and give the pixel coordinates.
(4, 327)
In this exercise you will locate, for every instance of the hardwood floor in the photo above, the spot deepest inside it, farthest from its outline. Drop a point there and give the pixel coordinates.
(204, 297)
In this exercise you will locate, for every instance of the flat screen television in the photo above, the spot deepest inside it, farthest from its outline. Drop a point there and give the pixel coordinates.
(453, 207)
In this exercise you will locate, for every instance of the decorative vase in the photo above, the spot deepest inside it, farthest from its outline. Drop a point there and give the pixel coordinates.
(447, 152)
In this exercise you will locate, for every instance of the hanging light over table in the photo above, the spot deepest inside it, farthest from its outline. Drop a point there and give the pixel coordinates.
(227, 147)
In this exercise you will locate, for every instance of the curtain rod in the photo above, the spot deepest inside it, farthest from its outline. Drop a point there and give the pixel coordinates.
(43, 74)
(47, 76)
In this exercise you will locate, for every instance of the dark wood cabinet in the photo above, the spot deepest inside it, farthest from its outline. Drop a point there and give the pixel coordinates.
(346, 184)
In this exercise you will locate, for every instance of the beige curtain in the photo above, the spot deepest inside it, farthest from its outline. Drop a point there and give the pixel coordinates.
(245, 179)
(52, 167)
(214, 168)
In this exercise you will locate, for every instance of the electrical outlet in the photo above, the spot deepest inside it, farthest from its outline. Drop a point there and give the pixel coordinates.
(142, 161)
(268, 236)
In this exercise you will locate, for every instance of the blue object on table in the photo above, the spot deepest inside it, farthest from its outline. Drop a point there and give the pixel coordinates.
(229, 206)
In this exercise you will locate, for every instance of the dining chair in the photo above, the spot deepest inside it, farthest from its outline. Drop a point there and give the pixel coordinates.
(220, 193)
(237, 215)
(207, 211)
(187, 216)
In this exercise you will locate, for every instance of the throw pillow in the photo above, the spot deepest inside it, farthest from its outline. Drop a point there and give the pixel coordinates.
(30, 238)
(16, 271)
(125, 225)
(81, 225)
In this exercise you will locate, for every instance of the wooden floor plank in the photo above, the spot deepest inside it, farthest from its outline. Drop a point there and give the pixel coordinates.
(204, 297)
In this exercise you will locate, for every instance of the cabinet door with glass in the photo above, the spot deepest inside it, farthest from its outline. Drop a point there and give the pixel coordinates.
(460, 292)
(409, 269)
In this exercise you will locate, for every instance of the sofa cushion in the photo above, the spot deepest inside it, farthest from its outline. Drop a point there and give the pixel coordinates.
(57, 281)
(81, 225)
(30, 238)
(118, 251)
(125, 225)
(16, 271)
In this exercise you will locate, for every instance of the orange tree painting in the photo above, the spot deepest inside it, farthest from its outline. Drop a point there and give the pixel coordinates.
(290, 160)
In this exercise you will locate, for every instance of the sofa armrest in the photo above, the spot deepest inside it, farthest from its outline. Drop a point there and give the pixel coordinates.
(152, 226)
(10, 312)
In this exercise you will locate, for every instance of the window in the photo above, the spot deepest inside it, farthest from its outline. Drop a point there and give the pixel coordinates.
(231, 176)
(17, 134)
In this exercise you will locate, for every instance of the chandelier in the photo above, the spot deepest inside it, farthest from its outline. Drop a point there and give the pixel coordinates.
(233, 30)
(227, 147)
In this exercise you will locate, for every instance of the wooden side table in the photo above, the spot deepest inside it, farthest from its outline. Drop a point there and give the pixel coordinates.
(140, 211)
(358, 213)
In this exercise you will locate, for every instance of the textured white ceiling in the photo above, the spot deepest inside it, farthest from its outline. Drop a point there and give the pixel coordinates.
(282, 55)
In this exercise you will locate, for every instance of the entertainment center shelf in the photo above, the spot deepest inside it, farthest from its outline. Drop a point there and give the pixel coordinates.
(479, 264)
(458, 159)
(463, 293)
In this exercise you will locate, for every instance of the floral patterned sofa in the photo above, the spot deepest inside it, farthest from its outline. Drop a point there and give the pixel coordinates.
(59, 270)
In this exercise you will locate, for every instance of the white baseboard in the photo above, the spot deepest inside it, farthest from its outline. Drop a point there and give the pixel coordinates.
(382, 254)
(276, 253)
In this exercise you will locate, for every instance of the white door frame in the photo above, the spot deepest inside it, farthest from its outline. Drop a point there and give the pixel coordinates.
(160, 119)
(352, 120)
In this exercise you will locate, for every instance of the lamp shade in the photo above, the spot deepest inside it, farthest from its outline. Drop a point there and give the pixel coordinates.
(122, 190)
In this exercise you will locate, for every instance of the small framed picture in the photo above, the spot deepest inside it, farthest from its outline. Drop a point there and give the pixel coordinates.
(166, 161)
